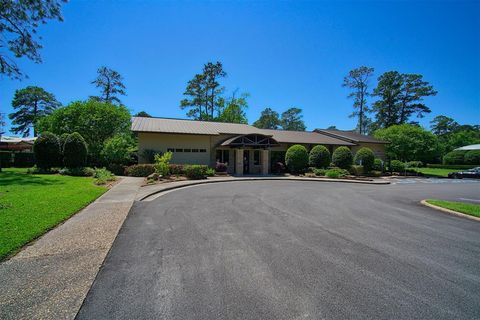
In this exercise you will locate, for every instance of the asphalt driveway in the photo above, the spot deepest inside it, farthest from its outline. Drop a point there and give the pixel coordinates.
(292, 250)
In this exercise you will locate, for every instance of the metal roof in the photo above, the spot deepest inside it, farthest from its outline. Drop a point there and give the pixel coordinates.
(351, 136)
(469, 147)
(166, 125)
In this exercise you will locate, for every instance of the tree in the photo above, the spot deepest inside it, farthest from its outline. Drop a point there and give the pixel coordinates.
(357, 80)
(443, 125)
(142, 114)
(111, 84)
(96, 121)
(269, 119)
(204, 92)
(319, 157)
(31, 104)
(47, 151)
(413, 90)
(75, 151)
(388, 89)
(19, 21)
(409, 142)
(233, 109)
(292, 120)
(119, 149)
(366, 158)
(332, 128)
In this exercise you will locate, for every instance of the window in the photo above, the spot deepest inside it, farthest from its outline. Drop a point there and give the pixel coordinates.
(178, 150)
(256, 157)
(203, 150)
(194, 150)
(187, 150)
(222, 156)
(170, 150)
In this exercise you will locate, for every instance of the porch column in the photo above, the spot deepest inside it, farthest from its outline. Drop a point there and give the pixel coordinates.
(265, 160)
(239, 162)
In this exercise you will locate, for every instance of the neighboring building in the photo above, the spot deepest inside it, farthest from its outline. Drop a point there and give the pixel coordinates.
(244, 148)
(469, 147)
(8, 143)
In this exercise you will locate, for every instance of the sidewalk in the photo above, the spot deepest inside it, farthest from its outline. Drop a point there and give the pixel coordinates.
(50, 278)
(147, 193)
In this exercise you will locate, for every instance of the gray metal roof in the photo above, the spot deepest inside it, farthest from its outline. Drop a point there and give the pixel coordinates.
(351, 136)
(165, 125)
(469, 147)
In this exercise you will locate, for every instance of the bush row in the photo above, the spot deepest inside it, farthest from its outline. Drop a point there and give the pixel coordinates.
(17, 159)
(460, 157)
(69, 150)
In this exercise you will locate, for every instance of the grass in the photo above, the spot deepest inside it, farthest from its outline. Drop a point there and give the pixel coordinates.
(436, 172)
(467, 208)
(32, 204)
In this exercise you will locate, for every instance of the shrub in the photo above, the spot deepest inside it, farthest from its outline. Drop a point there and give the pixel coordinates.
(319, 157)
(357, 170)
(221, 167)
(102, 176)
(140, 170)
(342, 157)
(61, 139)
(336, 173)
(5, 159)
(413, 164)
(472, 157)
(378, 164)
(319, 172)
(176, 169)
(47, 151)
(366, 158)
(148, 155)
(119, 149)
(78, 172)
(24, 160)
(397, 166)
(195, 171)
(296, 158)
(375, 173)
(278, 168)
(210, 172)
(116, 169)
(162, 163)
(74, 151)
(454, 157)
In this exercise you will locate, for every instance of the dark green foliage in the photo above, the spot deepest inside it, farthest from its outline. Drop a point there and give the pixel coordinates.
(111, 85)
(5, 159)
(195, 171)
(397, 166)
(120, 149)
(140, 170)
(176, 169)
(357, 170)
(366, 158)
(24, 160)
(116, 168)
(143, 114)
(342, 157)
(413, 164)
(210, 172)
(454, 157)
(269, 119)
(30, 105)
(61, 140)
(296, 158)
(378, 164)
(472, 157)
(319, 172)
(47, 151)
(233, 110)
(95, 121)
(75, 151)
(319, 157)
(336, 173)
(292, 120)
(148, 155)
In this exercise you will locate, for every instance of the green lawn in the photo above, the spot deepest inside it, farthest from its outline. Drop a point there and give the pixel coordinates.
(467, 208)
(30, 204)
(436, 172)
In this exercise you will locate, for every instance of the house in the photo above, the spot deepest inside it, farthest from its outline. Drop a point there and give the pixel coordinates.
(8, 143)
(244, 148)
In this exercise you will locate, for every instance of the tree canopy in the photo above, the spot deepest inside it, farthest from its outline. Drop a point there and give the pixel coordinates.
(142, 114)
(233, 110)
(19, 21)
(31, 104)
(357, 80)
(269, 119)
(111, 85)
(292, 120)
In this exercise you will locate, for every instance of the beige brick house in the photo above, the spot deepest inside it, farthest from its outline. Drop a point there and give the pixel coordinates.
(244, 148)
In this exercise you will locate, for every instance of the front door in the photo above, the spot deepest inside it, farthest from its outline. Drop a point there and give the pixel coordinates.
(246, 161)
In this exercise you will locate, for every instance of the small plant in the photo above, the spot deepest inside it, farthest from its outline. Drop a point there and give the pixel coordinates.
(74, 151)
(319, 172)
(102, 176)
(195, 171)
(397, 166)
(210, 172)
(319, 157)
(342, 157)
(336, 173)
(162, 164)
(140, 170)
(220, 167)
(296, 158)
(47, 151)
(366, 158)
(378, 165)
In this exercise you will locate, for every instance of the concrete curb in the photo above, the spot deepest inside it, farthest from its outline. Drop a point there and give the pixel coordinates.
(452, 212)
(199, 182)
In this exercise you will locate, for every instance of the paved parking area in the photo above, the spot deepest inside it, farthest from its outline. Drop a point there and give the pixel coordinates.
(292, 250)
(475, 182)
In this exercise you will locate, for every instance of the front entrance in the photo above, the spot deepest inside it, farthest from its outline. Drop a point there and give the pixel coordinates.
(246, 161)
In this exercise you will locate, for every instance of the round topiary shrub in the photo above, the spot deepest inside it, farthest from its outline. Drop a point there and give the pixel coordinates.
(472, 157)
(319, 157)
(47, 151)
(296, 158)
(75, 151)
(454, 157)
(397, 166)
(378, 164)
(342, 158)
(366, 158)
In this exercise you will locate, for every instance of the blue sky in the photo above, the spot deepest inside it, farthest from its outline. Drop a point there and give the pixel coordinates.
(284, 54)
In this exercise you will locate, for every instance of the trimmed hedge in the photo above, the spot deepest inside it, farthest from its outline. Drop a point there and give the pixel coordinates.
(454, 157)
(140, 170)
(472, 157)
(378, 164)
(451, 166)
(319, 157)
(24, 160)
(47, 151)
(366, 158)
(342, 158)
(75, 151)
(176, 169)
(397, 166)
(296, 158)
(195, 171)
